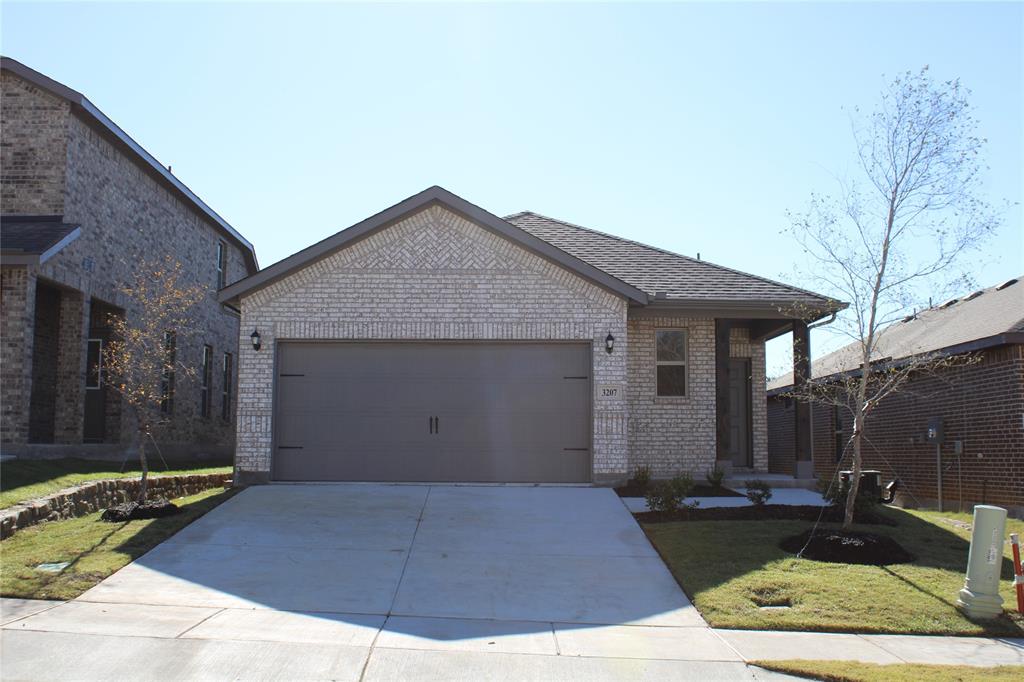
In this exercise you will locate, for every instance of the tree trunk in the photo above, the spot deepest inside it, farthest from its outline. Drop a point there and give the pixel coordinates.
(145, 471)
(851, 493)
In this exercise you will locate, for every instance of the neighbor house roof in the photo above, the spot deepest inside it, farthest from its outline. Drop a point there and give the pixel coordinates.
(985, 318)
(663, 274)
(31, 240)
(642, 274)
(87, 110)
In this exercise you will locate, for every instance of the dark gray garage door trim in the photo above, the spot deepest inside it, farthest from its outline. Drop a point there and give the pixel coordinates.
(588, 343)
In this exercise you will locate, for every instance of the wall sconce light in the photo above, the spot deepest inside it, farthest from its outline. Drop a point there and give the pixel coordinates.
(609, 343)
(255, 338)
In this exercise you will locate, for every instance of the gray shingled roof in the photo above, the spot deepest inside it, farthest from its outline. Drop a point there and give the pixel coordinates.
(33, 235)
(990, 313)
(655, 271)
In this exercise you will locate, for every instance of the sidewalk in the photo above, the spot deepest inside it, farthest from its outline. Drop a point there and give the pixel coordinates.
(755, 645)
(626, 650)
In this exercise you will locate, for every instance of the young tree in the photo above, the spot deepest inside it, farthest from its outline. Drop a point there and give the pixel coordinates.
(896, 236)
(141, 359)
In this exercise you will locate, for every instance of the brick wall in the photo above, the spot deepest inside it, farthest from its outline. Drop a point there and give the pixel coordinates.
(45, 345)
(17, 309)
(982, 405)
(68, 167)
(781, 435)
(434, 275)
(672, 434)
(34, 148)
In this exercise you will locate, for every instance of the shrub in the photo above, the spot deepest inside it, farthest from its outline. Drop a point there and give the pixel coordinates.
(758, 492)
(666, 496)
(836, 496)
(642, 476)
(715, 477)
(662, 497)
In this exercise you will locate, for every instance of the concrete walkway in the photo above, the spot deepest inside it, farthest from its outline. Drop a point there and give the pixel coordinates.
(793, 496)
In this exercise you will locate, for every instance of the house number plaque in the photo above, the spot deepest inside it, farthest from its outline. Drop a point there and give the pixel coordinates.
(609, 391)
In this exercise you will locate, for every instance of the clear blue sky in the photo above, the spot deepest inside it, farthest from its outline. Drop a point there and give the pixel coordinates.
(693, 127)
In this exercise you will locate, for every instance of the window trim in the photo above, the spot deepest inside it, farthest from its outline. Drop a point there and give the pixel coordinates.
(684, 363)
(206, 381)
(227, 371)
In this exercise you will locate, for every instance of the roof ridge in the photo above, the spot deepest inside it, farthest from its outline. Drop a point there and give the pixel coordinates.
(669, 253)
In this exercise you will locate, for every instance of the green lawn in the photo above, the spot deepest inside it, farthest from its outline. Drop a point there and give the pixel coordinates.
(25, 479)
(732, 568)
(852, 671)
(95, 549)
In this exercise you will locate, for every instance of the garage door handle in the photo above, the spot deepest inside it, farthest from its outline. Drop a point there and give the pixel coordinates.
(430, 421)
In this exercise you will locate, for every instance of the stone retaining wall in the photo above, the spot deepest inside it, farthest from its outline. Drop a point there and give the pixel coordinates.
(94, 496)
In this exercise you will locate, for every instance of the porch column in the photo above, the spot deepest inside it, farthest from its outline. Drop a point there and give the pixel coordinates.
(17, 313)
(69, 411)
(723, 459)
(803, 466)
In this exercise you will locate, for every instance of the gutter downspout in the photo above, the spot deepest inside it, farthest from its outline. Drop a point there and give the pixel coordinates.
(822, 323)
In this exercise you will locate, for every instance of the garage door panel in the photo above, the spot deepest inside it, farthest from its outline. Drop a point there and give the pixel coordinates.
(362, 411)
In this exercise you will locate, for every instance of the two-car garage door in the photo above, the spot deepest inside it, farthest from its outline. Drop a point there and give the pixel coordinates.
(485, 412)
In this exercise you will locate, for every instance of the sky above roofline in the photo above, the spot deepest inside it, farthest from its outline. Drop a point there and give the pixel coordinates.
(689, 127)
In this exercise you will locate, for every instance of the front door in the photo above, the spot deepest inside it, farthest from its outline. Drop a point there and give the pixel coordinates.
(739, 412)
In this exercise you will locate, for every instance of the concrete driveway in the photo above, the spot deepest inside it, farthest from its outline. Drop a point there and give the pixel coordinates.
(384, 582)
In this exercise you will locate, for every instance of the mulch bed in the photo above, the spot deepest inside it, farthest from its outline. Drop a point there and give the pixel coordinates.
(847, 547)
(132, 511)
(633, 490)
(767, 512)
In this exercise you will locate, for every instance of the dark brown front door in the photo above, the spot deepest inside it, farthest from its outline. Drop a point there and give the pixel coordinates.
(487, 412)
(739, 412)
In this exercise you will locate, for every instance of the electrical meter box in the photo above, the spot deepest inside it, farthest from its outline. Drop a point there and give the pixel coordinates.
(934, 433)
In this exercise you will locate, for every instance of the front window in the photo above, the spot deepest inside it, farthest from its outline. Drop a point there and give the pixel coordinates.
(671, 361)
(94, 364)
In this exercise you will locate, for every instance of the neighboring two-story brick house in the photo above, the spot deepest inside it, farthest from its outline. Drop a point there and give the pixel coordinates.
(978, 407)
(81, 203)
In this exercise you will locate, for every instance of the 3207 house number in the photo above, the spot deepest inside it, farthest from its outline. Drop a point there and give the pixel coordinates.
(609, 391)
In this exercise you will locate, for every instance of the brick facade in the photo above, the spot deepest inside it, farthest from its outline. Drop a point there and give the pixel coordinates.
(672, 434)
(57, 162)
(17, 311)
(435, 275)
(981, 405)
(34, 149)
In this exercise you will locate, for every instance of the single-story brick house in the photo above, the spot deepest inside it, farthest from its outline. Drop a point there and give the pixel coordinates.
(978, 407)
(435, 341)
(82, 204)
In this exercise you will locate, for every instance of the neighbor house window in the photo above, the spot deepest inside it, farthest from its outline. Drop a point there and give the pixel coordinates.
(167, 376)
(207, 370)
(225, 396)
(670, 345)
(94, 364)
(222, 255)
